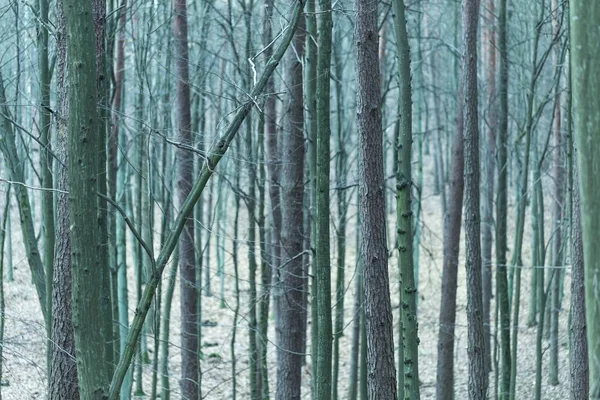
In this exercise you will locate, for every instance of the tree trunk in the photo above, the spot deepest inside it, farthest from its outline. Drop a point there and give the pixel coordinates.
(452, 227)
(190, 386)
(408, 362)
(63, 383)
(289, 310)
(93, 335)
(323, 267)
(586, 102)
(502, 206)
(373, 251)
(476, 340)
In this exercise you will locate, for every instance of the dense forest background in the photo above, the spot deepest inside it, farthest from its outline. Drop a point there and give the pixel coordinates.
(299, 199)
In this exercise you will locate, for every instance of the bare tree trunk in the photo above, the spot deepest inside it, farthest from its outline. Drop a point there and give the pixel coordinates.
(586, 86)
(190, 385)
(289, 310)
(476, 341)
(380, 338)
(63, 383)
(452, 226)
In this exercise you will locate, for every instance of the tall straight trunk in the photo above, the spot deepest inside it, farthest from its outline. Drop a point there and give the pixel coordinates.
(102, 87)
(476, 340)
(557, 209)
(578, 346)
(452, 226)
(117, 191)
(517, 261)
(93, 334)
(289, 308)
(63, 382)
(323, 267)
(502, 294)
(487, 206)
(408, 362)
(586, 86)
(273, 153)
(373, 251)
(46, 160)
(190, 385)
(310, 82)
(341, 172)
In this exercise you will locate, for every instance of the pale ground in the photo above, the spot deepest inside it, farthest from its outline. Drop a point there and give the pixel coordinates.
(24, 348)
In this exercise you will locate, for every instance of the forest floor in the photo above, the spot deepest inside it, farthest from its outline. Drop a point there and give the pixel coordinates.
(24, 355)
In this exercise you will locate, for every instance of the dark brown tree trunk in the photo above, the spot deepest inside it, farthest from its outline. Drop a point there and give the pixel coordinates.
(290, 309)
(476, 344)
(452, 225)
(578, 346)
(380, 337)
(190, 388)
(63, 382)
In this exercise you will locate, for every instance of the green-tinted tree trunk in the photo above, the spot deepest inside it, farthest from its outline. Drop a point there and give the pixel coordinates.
(46, 159)
(93, 334)
(322, 266)
(311, 107)
(341, 175)
(586, 102)
(502, 294)
(16, 171)
(409, 340)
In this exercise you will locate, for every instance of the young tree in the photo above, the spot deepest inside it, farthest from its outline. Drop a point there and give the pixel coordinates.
(63, 383)
(190, 385)
(408, 361)
(476, 343)
(323, 266)
(586, 103)
(289, 308)
(502, 294)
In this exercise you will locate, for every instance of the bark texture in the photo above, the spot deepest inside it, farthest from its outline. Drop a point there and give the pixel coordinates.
(290, 309)
(380, 343)
(476, 343)
(586, 85)
(190, 388)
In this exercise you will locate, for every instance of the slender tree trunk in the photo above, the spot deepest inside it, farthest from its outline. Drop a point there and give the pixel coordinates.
(502, 205)
(323, 267)
(46, 161)
(408, 363)
(63, 382)
(476, 340)
(452, 227)
(578, 346)
(190, 386)
(289, 310)
(311, 106)
(489, 152)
